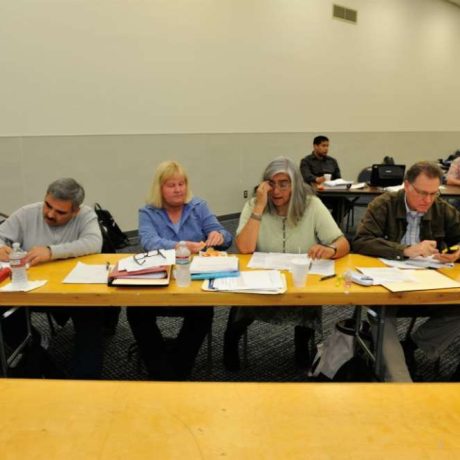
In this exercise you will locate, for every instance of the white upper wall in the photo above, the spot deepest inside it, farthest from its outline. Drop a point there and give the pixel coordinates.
(209, 66)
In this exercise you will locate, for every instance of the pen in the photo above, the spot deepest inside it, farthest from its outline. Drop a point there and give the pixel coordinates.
(328, 277)
(107, 266)
(161, 254)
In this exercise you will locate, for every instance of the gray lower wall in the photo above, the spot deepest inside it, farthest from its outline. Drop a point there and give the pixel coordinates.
(117, 170)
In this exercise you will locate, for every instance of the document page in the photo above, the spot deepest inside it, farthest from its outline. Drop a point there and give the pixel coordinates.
(417, 263)
(258, 280)
(87, 274)
(30, 286)
(425, 280)
(214, 264)
(387, 275)
(283, 261)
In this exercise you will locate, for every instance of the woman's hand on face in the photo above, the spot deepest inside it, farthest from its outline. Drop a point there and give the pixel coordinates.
(318, 251)
(262, 196)
(215, 238)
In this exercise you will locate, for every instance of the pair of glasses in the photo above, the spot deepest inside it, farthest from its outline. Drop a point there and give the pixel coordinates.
(141, 258)
(423, 194)
(281, 185)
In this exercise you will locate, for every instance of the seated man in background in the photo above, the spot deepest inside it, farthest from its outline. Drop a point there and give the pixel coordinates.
(413, 222)
(58, 228)
(314, 166)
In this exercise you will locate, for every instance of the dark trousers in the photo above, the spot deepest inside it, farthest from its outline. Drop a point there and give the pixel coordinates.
(88, 323)
(88, 343)
(162, 361)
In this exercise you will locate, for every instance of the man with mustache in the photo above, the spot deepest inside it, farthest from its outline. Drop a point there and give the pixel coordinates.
(58, 228)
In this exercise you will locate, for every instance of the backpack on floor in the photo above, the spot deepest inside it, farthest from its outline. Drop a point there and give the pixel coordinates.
(113, 237)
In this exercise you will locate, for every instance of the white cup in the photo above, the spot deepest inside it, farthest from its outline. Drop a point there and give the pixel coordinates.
(327, 177)
(299, 271)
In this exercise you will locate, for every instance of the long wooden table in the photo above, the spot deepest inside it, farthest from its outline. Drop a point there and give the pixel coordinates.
(316, 292)
(73, 420)
(329, 292)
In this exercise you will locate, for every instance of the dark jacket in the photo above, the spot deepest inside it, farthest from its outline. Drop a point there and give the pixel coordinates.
(312, 167)
(383, 226)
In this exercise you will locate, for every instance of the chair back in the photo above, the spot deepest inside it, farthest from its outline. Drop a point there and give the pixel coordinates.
(365, 175)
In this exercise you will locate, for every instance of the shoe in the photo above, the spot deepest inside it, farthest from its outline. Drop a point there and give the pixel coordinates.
(302, 336)
(409, 347)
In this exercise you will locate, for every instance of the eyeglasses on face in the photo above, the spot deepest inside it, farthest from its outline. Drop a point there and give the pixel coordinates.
(281, 185)
(141, 258)
(423, 194)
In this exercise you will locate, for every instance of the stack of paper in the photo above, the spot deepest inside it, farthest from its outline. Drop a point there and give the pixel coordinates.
(396, 280)
(254, 282)
(146, 269)
(153, 276)
(214, 267)
(338, 183)
(417, 262)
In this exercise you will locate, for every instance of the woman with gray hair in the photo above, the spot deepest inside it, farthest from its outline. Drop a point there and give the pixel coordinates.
(284, 216)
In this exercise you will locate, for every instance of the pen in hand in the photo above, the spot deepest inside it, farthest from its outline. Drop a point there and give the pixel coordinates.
(328, 277)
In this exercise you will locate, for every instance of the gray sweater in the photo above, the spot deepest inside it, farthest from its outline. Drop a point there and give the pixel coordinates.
(78, 237)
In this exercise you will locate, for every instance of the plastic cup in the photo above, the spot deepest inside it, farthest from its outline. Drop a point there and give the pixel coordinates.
(299, 271)
(327, 177)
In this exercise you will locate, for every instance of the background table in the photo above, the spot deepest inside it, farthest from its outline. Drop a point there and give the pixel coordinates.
(352, 195)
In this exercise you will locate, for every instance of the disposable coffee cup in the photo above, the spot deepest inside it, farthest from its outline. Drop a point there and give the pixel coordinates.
(299, 271)
(327, 177)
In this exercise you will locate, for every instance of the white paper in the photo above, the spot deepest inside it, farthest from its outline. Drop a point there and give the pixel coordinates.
(87, 274)
(386, 275)
(417, 263)
(394, 188)
(214, 264)
(259, 280)
(283, 261)
(358, 186)
(337, 183)
(152, 260)
(31, 285)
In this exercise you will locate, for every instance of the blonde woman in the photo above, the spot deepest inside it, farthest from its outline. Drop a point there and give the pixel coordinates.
(172, 215)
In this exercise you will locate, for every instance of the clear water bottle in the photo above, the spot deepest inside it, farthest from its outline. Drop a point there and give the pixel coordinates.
(18, 266)
(183, 258)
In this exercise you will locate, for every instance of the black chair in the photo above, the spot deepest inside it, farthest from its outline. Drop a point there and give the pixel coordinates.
(363, 176)
(7, 361)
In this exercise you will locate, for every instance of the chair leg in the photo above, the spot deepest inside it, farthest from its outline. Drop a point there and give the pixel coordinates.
(209, 352)
(51, 324)
(410, 328)
(245, 349)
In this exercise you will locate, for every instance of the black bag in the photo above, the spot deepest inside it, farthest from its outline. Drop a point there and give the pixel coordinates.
(113, 237)
(387, 175)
